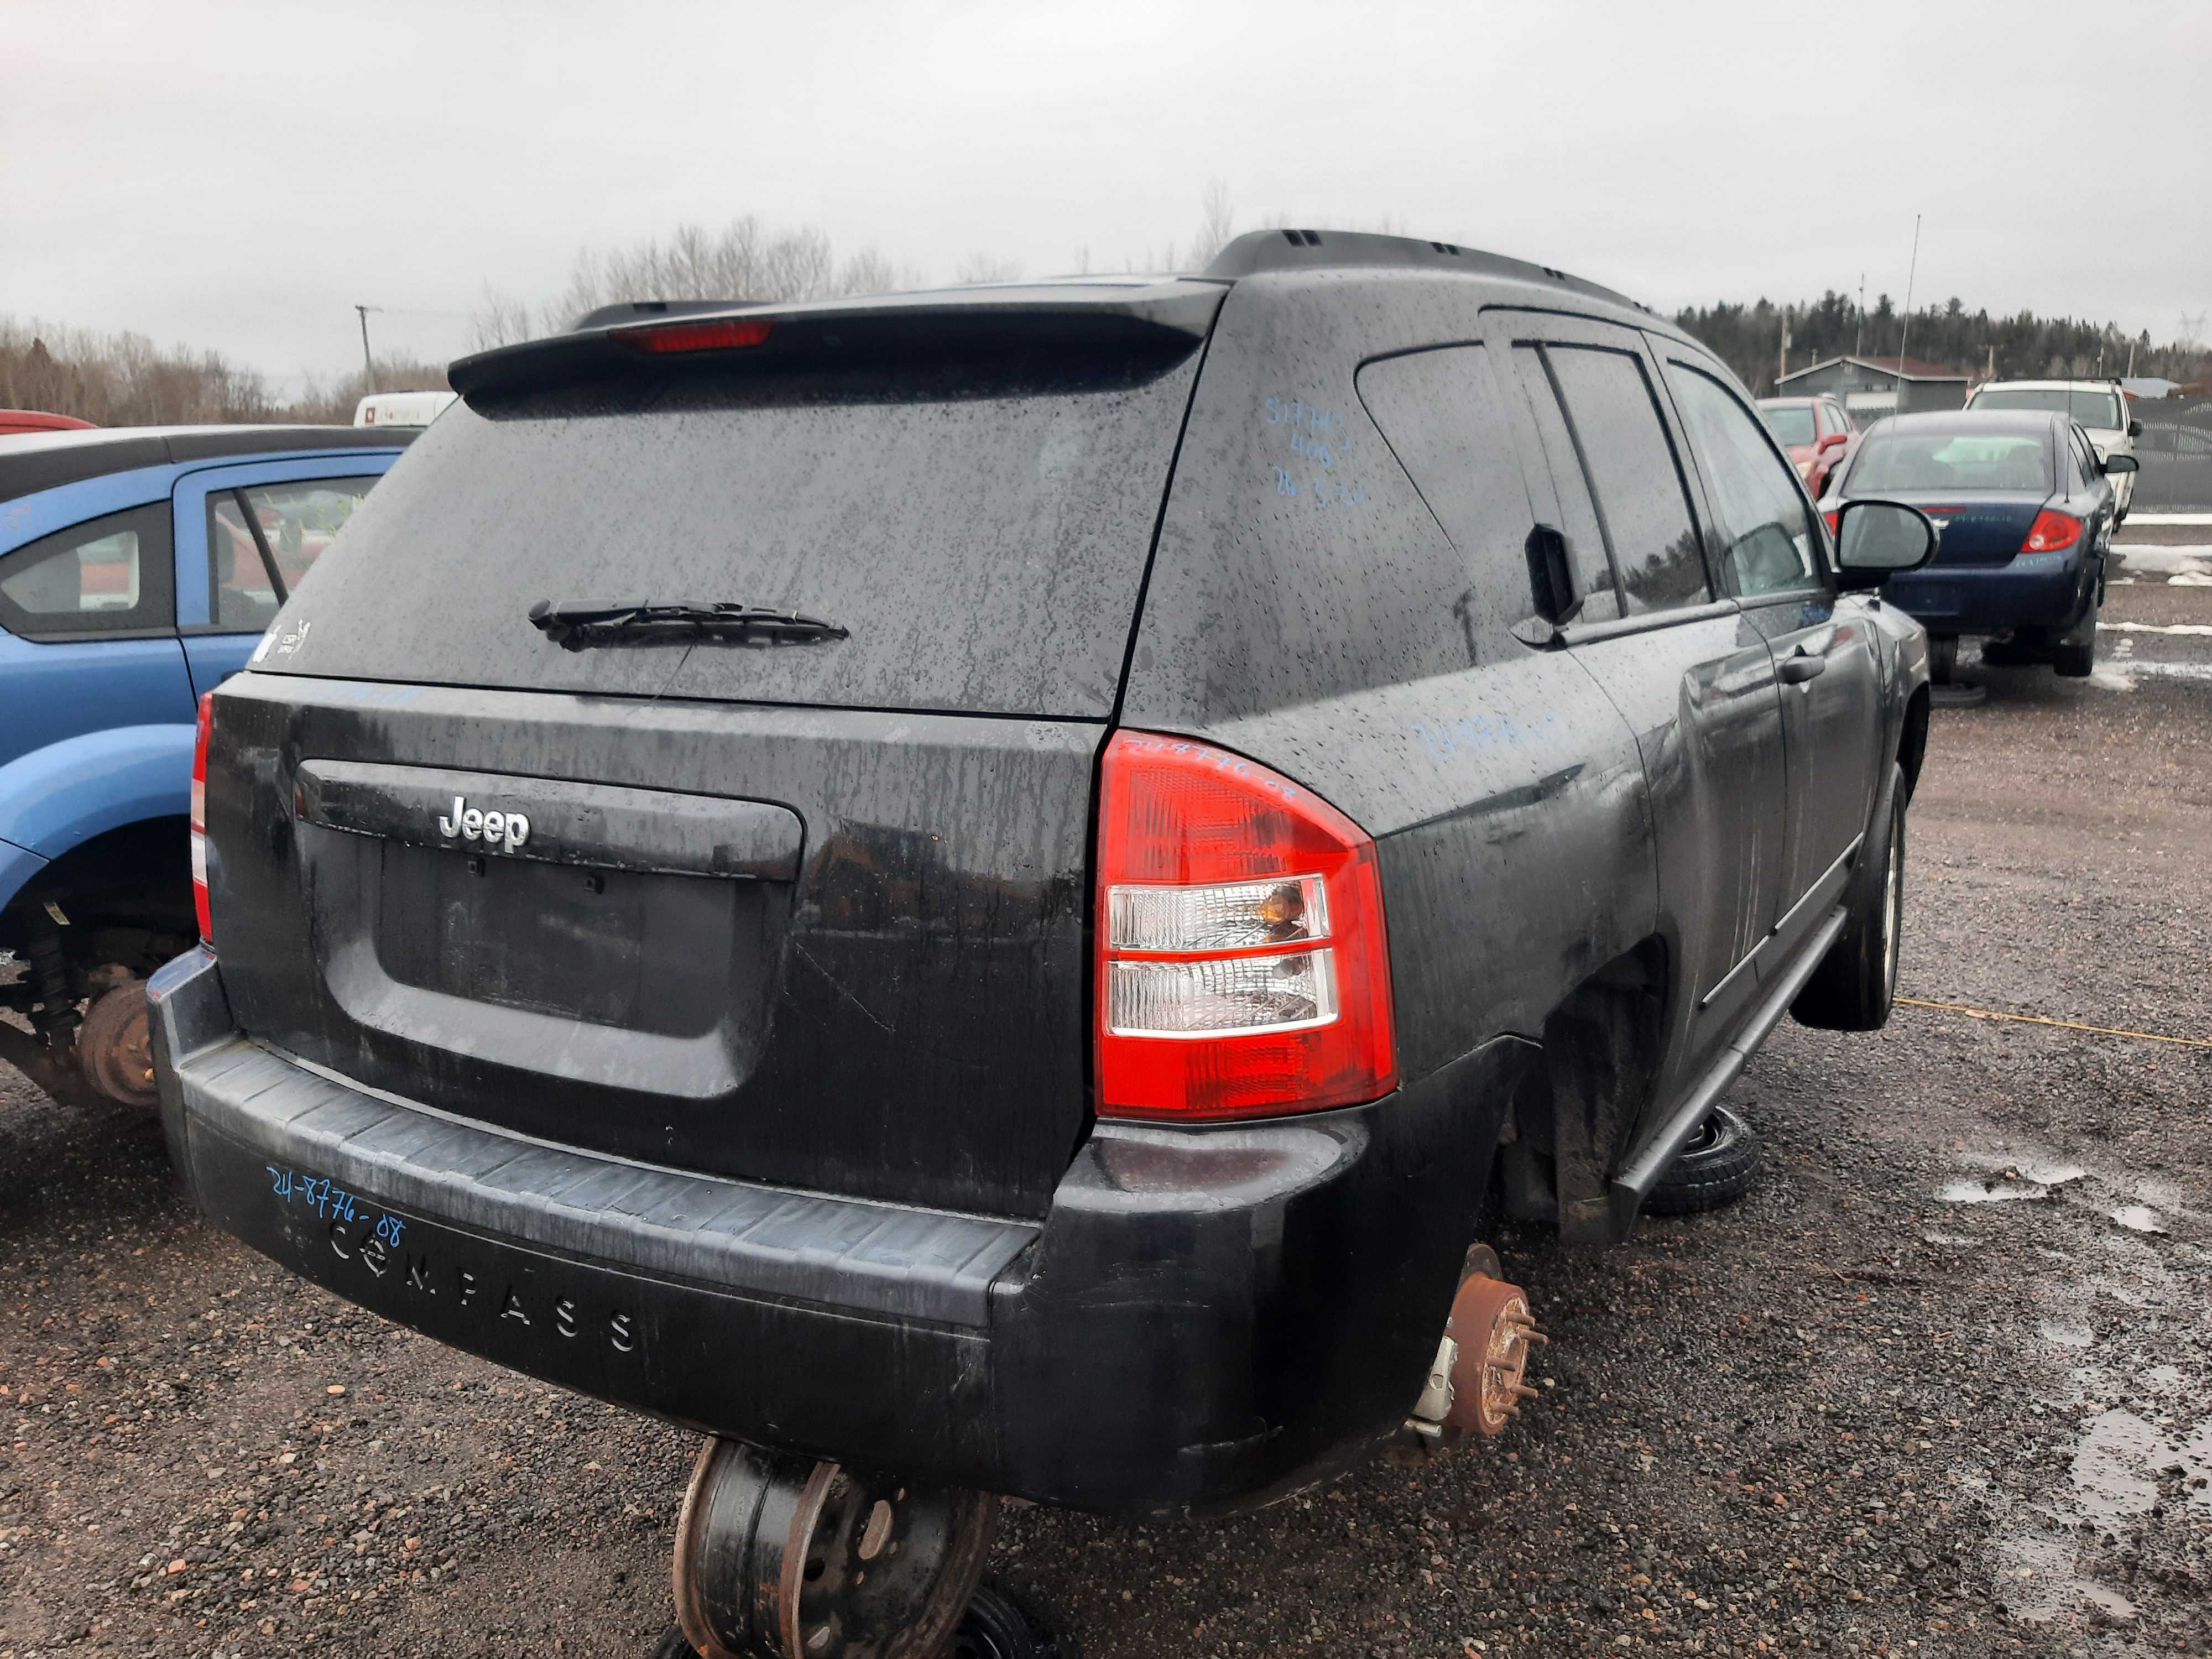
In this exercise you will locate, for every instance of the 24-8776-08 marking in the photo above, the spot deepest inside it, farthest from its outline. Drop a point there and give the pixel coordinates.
(362, 1232)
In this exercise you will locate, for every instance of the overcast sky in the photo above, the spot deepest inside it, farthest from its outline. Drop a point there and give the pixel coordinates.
(237, 176)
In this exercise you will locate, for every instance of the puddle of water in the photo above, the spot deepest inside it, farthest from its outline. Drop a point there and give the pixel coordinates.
(2067, 1336)
(2114, 1468)
(1954, 1240)
(2140, 1219)
(1988, 1192)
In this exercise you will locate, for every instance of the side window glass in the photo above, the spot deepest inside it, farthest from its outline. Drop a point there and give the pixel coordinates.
(108, 576)
(1442, 416)
(263, 539)
(1624, 447)
(243, 583)
(1589, 568)
(1767, 528)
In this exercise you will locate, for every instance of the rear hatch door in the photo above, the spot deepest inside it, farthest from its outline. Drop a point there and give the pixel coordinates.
(810, 912)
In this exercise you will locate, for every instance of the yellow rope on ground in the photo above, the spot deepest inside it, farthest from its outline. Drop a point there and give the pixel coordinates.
(2066, 1025)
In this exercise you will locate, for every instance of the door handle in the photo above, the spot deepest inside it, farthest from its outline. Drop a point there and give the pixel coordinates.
(1795, 670)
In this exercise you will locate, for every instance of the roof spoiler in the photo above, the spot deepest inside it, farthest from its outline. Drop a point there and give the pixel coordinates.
(1159, 323)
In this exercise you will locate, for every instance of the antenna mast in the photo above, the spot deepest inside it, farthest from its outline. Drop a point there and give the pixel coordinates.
(1903, 338)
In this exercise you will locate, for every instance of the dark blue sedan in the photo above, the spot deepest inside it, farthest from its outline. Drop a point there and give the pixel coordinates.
(2025, 511)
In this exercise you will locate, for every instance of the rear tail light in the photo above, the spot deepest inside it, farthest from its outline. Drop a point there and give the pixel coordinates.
(1243, 969)
(727, 334)
(199, 818)
(2050, 531)
(1834, 518)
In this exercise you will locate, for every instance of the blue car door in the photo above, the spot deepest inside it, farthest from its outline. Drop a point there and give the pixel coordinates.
(93, 682)
(246, 533)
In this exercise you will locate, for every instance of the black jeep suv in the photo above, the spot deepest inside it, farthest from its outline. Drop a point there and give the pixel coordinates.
(984, 891)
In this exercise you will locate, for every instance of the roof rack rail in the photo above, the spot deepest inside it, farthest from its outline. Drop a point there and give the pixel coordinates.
(1259, 251)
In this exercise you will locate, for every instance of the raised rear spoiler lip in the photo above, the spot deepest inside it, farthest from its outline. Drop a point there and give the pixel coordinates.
(1165, 319)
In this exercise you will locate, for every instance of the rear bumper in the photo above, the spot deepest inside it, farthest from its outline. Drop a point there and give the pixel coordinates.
(2036, 590)
(1201, 1319)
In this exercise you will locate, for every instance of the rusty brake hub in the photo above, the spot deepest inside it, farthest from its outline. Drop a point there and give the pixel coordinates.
(1476, 1383)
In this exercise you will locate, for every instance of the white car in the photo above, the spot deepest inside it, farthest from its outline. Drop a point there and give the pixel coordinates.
(401, 408)
(2099, 406)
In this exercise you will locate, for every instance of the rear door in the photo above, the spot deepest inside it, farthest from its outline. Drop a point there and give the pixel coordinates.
(1695, 682)
(89, 650)
(1770, 558)
(244, 536)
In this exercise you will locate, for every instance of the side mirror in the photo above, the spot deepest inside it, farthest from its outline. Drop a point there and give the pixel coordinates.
(2135, 428)
(1877, 540)
(1833, 440)
(2122, 464)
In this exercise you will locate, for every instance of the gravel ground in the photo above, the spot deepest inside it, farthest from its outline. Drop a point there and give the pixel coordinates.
(1943, 1385)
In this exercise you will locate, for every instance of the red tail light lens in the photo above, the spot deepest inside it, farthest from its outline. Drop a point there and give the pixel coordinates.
(1242, 967)
(727, 334)
(2050, 531)
(199, 819)
(1834, 517)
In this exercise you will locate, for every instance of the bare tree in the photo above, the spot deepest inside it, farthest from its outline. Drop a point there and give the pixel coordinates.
(988, 268)
(1216, 226)
(124, 380)
(499, 320)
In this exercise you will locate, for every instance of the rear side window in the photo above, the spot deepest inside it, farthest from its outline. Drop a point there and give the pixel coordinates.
(1442, 416)
(108, 576)
(1591, 570)
(981, 537)
(263, 539)
(1624, 447)
(1766, 534)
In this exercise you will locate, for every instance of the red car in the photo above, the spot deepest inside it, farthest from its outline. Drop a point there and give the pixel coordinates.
(1815, 431)
(34, 420)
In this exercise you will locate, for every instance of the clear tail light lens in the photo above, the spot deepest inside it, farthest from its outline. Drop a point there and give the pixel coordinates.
(1242, 966)
(2050, 531)
(199, 819)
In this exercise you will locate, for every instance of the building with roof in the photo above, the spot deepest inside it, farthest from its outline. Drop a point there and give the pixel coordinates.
(1872, 387)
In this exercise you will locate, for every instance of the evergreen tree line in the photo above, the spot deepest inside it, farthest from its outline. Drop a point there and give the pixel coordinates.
(1749, 338)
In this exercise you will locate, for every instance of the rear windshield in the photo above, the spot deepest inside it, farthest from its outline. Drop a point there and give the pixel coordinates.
(2098, 409)
(983, 544)
(1791, 423)
(1951, 461)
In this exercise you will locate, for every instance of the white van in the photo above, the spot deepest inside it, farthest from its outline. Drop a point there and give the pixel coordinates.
(2099, 406)
(401, 408)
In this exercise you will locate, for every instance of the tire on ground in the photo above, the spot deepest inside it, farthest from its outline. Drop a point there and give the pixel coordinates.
(2074, 656)
(1717, 1167)
(1856, 983)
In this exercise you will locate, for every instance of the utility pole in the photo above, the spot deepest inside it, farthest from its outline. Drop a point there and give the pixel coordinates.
(1858, 336)
(367, 363)
(1781, 372)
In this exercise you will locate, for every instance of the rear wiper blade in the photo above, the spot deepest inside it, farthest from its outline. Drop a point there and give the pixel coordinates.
(574, 624)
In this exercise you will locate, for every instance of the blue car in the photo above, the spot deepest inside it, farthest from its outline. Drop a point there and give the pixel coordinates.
(138, 567)
(2025, 511)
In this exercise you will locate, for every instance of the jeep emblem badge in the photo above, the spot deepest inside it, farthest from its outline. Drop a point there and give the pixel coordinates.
(507, 829)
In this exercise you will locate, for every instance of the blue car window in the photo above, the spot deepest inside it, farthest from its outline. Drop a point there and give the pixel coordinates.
(297, 521)
(1941, 460)
(106, 577)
